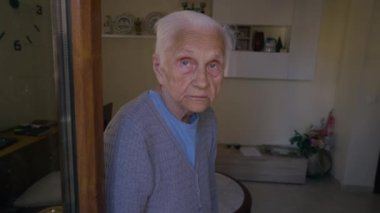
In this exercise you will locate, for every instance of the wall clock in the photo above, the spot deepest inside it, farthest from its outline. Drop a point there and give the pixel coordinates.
(22, 17)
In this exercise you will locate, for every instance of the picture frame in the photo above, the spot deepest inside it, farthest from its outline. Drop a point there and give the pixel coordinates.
(243, 32)
(242, 44)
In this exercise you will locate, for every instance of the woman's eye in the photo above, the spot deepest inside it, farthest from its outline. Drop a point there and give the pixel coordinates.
(214, 68)
(185, 62)
(186, 65)
(213, 65)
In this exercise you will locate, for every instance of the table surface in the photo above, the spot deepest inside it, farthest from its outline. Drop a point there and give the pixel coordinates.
(232, 196)
(54, 209)
(23, 140)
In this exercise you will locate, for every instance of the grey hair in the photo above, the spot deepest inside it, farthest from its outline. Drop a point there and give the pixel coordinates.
(167, 27)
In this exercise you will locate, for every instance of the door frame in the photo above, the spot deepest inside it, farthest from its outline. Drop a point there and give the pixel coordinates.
(377, 178)
(77, 42)
(87, 78)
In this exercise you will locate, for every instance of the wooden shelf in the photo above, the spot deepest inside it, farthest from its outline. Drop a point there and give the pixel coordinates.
(128, 36)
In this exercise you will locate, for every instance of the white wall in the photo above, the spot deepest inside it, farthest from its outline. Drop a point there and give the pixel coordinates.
(268, 111)
(141, 8)
(358, 98)
(26, 77)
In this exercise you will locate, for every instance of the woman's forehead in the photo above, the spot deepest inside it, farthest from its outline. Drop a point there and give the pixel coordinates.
(201, 32)
(192, 41)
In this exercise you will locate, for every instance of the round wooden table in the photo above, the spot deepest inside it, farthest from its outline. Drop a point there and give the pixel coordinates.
(53, 209)
(233, 196)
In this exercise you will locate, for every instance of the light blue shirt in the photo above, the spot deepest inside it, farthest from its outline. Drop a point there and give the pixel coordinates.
(186, 133)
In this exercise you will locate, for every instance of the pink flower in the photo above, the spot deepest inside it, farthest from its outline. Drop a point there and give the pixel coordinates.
(323, 132)
(314, 142)
(313, 134)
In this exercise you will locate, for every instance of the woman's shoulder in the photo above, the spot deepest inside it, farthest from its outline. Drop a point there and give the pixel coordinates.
(135, 112)
(135, 105)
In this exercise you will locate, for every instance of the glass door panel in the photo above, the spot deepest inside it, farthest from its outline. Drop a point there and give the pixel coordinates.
(36, 151)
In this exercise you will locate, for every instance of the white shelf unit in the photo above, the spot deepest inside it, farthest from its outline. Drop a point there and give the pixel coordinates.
(303, 19)
(261, 65)
(245, 36)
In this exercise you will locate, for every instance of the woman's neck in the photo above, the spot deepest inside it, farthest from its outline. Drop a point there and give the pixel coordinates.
(180, 114)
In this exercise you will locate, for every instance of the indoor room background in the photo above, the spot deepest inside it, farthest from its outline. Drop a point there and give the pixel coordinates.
(250, 111)
(255, 111)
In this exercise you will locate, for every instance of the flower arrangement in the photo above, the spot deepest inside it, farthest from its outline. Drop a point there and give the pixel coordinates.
(315, 139)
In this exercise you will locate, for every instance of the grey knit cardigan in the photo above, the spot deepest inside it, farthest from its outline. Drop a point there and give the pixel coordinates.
(146, 168)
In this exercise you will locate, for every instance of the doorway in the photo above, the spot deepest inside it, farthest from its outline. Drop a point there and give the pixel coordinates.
(50, 126)
(30, 150)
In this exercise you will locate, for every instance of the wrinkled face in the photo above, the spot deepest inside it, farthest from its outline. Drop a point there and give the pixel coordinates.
(192, 72)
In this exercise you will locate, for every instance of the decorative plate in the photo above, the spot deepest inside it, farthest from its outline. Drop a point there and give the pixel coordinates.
(150, 20)
(124, 23)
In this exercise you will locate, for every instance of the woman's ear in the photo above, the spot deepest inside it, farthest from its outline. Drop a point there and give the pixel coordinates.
(157, 68)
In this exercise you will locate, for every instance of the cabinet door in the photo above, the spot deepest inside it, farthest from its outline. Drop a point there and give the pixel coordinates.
(249, 64)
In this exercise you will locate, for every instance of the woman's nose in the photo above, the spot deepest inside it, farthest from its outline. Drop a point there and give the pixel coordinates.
(200, 78)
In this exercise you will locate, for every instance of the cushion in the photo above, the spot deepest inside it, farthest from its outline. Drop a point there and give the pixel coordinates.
(44, 192)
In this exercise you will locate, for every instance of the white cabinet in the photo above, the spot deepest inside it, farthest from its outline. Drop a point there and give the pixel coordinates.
(302, 17)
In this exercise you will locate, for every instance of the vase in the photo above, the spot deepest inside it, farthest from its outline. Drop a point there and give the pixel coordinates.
(258, 41)
(319, 164)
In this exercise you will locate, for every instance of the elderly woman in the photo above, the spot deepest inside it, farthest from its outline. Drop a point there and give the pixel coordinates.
(160, 148)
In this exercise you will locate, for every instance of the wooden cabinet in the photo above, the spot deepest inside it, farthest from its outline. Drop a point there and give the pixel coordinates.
(264, 166)
(302, 17)
(24, 162)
